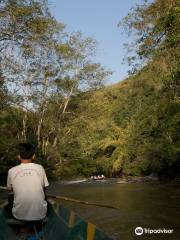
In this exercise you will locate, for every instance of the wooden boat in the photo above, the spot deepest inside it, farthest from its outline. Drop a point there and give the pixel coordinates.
(61, 224)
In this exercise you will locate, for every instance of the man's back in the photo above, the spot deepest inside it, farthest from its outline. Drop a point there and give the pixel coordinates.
(28, 181)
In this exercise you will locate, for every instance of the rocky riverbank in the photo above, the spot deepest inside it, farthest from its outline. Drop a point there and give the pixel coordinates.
(130, 179)
(122, 180)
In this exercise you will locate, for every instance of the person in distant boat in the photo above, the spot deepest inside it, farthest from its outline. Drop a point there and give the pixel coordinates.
(28, 182)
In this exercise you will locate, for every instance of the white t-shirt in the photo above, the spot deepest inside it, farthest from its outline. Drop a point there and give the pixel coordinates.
(28, 181)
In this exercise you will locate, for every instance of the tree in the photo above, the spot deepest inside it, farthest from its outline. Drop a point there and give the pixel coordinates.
(77, 73)
(156, 88)
(156, 27)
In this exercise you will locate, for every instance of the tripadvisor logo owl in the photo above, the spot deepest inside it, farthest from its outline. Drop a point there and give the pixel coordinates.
(139, 231)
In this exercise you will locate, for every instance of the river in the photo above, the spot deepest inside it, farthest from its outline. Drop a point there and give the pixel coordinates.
(147, 205)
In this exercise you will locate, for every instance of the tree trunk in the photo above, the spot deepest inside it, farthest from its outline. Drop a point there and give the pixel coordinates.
(67, 100)
(24, 130)
(39, 127)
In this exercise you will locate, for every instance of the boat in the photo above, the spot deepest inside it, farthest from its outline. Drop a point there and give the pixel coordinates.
(98, 177)
(61, 224)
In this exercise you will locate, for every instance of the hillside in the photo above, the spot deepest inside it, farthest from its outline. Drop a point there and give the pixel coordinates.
(128, 128)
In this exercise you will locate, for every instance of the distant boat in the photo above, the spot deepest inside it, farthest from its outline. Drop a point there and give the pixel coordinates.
(98, 177)
(61, 224)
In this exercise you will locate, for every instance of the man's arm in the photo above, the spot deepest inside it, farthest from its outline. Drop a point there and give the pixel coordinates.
(45, 183)
(45, 180)
(9, 181)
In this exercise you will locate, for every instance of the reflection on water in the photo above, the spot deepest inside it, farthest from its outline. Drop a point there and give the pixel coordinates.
(151, 206)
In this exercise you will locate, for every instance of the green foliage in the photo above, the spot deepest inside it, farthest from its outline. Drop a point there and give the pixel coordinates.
(82, 128)
(9, 128)
(156, 27)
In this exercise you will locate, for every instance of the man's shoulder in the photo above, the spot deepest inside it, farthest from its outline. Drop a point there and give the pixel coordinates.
(37, 165)
(14, 168)
(21, 167)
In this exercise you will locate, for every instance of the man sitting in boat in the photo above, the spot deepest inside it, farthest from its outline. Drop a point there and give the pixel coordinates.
(28, 181)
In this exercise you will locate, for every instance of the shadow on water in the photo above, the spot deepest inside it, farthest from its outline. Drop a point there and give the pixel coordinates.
(151, 206)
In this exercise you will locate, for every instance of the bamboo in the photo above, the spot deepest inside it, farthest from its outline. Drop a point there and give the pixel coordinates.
(82, 202)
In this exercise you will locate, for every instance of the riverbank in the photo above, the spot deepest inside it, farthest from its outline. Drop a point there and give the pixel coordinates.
(122, 180)
(107, 181)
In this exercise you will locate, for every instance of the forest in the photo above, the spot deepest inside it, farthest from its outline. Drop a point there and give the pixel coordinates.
(55, 96)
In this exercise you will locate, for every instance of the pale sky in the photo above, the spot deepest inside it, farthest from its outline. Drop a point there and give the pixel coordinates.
(98, 19)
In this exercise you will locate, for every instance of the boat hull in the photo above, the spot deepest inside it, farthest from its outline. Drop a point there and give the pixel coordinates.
(62, 224)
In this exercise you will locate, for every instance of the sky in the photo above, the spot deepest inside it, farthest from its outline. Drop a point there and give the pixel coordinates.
(98, 19)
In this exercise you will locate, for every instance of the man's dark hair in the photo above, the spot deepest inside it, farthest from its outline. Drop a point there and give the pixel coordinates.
(26, 150)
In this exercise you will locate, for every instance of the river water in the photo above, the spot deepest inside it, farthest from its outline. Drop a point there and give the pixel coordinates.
(147, 205)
